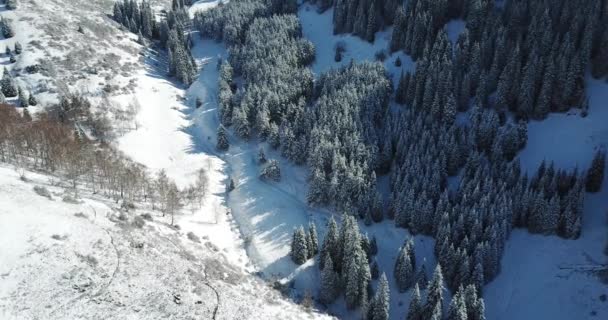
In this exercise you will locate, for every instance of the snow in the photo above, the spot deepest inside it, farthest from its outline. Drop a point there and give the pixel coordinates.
(454, 28)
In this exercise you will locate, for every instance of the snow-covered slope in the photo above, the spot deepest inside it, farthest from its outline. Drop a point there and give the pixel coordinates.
(64, 260)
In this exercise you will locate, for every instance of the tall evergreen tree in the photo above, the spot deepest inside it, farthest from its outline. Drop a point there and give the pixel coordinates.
(299, 251)
(595, 175)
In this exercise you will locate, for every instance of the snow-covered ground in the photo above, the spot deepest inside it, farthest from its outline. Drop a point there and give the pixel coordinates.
(64, 260)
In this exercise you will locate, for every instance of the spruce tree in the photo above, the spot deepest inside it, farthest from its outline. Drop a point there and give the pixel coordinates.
(415, 310)
(329, 281)
(222, 139)
(299, 251)
(23, 98)
(8, 85)
(330, 242)
(380, 303)
(595, 175)
(435, 290)
(404, 270)
(314, 240)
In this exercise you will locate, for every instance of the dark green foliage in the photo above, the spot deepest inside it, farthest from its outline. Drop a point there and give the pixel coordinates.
(595, 175)
(8, 85)
(222, 139)
(299, 249)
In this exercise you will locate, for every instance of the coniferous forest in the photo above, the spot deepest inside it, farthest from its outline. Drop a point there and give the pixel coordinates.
(511, 64)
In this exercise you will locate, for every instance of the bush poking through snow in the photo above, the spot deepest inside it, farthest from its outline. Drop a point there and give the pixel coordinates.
(230, 185)
(43, 192)
(147, 217)
(340, 49)
(193, 237)
(138, 222)
(380, 55)
(80, 215)
(271, 171)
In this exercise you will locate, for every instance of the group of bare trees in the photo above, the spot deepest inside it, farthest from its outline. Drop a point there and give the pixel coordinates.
(66, 149)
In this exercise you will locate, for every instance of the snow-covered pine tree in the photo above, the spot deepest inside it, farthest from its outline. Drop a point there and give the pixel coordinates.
(330, 242)
(458, 308)
(329, 287)
(299, 251)
(222, 139)
(435, 290)
(23, 98)
(595, 174)
(314, 240)
(380, 304)
(261, 156)
(404, 271)
(8, 85)
(415, 310)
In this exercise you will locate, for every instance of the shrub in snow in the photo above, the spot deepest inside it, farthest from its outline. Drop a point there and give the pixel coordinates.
(32, 100)
(261, 156)
(193, 237)
(271, 171)
(18, 48)
(230, 185)
(32, 69)
(42, 191)
(138, 222)
(380, 55)
(340, 49)
(70, 199)
(11, 4)
(147, 216)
